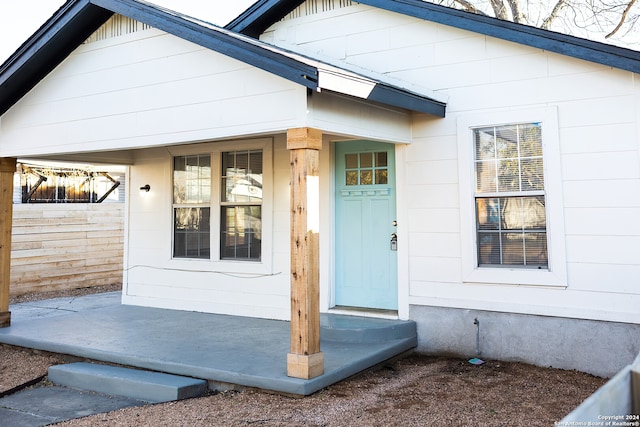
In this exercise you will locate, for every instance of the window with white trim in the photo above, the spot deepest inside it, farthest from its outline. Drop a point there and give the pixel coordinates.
(241, 205)
(509, 196)
(512, 221)
(191, 206)
(238, 199)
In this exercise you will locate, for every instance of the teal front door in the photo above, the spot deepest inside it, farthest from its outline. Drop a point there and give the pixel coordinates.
(366, 257)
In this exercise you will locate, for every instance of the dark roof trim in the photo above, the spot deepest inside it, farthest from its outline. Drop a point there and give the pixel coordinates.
(389, 95)
(78, 19)
(253, 21)
(214, 38)
(626, 59)
(46, 48)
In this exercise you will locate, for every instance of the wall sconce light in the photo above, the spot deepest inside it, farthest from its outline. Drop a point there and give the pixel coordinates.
(145, 188)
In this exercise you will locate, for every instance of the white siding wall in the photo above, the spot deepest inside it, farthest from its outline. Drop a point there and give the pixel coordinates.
(252, 289)
(153, 278)
(598, 115)
(146, 88)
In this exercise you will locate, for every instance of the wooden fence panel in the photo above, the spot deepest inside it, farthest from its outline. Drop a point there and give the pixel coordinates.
(66, 246)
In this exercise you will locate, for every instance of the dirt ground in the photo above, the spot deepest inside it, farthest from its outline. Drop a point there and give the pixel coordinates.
(416, 390)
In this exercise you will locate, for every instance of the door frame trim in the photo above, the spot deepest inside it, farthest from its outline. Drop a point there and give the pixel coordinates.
(402, 231)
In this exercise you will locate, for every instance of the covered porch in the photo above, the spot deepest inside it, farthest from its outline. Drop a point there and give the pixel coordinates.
(236, 92)
(224, 350)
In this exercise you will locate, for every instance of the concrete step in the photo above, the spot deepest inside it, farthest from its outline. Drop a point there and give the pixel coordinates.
(358, 329)
(117, 381)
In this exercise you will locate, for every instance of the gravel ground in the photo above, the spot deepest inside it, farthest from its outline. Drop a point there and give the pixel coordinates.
(416, 390)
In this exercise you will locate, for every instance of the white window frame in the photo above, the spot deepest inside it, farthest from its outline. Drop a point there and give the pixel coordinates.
(215, 263)
(187, 205)
(556, 273)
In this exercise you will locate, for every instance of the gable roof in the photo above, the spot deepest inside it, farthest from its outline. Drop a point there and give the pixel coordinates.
(255, 20)
(76, 20)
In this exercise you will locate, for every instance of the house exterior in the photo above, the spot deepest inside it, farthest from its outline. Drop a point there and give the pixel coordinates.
(479, 177)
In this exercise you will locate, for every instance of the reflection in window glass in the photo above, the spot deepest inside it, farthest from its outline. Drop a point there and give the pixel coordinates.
(242, 176)
(191, 211)
(381, 159)
(192, 179)
(352, 177)
(351, 160)
(366, 160)
(241, 232)
(366, 177)
(382, 176)
(366, 168)
(191, 233)
(241, 210)
(511, 228)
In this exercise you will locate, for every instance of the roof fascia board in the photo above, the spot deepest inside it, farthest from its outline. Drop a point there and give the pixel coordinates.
(215, 39)
(576, 47)
(45, 34)
(259, 16)
(47, 48)
(390, 95)
(253, 24)
(73, 23)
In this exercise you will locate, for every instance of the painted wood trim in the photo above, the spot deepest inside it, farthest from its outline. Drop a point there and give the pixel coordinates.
(72, 24)
(261, 15)
(216, 39)
(389, 95)
(253, 23)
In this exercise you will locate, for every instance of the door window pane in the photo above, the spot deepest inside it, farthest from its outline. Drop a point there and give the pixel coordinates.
(381, 159)
(366, 168)
(352, 178)
(382, 176)
(366, 177)
(351, 161)
(366, 160)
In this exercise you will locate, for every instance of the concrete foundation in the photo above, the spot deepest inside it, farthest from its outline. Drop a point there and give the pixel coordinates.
(596, 347)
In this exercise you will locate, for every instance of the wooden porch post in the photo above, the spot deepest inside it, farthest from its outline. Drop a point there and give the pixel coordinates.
(7, 171)
(305, 359)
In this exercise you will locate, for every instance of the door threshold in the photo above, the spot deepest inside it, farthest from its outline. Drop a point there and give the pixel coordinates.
(364, 312)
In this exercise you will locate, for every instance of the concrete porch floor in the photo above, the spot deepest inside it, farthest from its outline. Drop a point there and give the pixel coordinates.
(225, 349)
